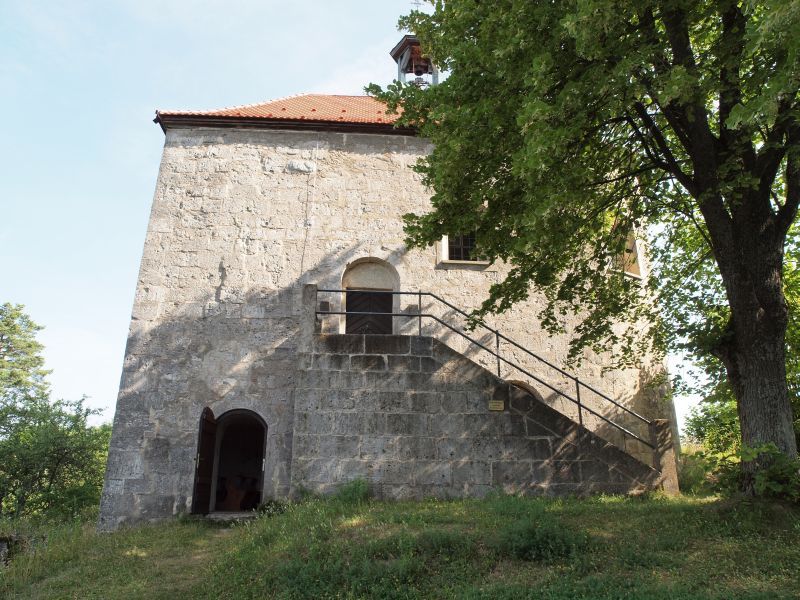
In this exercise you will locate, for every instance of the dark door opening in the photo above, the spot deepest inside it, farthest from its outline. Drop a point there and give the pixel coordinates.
(230, 462)
(240, 463)
(368, 301)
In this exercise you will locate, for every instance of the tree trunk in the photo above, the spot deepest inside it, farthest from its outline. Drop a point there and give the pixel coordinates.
(754, 351)
(759, 383)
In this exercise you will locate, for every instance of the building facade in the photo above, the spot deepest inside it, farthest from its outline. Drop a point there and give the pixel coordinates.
(245, 380)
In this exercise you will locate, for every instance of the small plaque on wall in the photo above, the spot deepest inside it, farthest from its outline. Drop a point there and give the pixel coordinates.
(497, 405)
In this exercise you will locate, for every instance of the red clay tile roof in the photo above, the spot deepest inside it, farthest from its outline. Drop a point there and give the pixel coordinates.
(304, 107)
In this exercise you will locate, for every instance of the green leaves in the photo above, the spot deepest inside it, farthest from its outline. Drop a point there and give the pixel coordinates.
(21, 364)
(558, 119)
(51, 461)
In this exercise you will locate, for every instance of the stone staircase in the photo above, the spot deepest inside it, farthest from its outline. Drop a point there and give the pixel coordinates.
(416, 419)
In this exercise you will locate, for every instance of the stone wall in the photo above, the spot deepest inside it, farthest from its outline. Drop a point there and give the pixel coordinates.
(412, 417)
(241, 220)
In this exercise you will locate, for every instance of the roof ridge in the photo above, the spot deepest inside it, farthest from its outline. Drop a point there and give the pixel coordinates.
(235, 106)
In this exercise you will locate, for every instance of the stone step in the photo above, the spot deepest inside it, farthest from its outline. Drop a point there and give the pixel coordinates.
(231, 516)
(416, 418)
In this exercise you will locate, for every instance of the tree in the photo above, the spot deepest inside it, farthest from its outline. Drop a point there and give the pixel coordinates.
(51, 460)
(715, 422)
(21, 364)
(564, 125)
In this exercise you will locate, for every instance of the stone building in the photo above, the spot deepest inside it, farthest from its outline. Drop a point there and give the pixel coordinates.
(256, 365)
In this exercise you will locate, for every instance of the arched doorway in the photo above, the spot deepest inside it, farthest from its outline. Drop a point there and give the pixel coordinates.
(367, 282)
(229, 472)
(527, 387)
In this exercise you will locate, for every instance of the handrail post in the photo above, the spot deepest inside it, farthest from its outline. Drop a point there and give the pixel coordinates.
(578, 398)
(419, 310)
(497, 349)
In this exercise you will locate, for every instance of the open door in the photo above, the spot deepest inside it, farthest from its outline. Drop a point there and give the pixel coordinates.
(239, 474)
(204, 463)
(368, 302)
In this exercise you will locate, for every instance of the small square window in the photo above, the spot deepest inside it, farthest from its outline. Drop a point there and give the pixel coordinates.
(462, 247)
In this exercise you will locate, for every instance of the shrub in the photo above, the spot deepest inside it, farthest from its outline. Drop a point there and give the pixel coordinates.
(542, 540)
(270, 507)
(695, 469)
(353, 492)
(779, 477)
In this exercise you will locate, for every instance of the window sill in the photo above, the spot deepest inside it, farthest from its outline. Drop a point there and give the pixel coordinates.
(477, 265)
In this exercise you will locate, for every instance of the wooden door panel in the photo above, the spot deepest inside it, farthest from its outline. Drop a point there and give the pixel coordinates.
(204, 463)
(369, 302)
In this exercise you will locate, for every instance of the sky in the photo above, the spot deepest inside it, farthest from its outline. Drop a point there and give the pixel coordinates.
(79, 154)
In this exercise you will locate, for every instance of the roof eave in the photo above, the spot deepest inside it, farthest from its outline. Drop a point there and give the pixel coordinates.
(167, 121)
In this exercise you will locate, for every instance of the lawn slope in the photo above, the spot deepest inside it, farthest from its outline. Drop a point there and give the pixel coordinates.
(500, 547)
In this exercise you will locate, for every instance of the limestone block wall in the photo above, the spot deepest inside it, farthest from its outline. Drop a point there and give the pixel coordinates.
(411, 416)
(241, 220)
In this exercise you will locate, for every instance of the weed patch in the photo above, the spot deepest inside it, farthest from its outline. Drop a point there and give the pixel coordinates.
(544, 539)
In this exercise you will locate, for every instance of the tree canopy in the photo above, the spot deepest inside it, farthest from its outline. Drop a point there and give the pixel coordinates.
(51, 460)
(22, 372)
(562, 126)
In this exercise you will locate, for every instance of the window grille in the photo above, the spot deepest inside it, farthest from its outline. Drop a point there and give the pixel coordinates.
(462, 247)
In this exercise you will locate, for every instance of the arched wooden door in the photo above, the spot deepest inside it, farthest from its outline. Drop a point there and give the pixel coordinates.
(204, 463)
(369, 282)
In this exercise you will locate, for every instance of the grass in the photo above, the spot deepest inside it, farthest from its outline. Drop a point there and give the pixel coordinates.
(501, 548)
(73, 561)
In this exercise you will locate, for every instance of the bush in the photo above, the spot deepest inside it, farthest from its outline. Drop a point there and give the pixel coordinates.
(694, 473)
(353, 492)
(779, 479)
(270, 507)
(542, 540)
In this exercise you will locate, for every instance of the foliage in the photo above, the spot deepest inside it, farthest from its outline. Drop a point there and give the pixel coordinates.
(715, 425)
(780, 479)
(272, 507)
(656, 547)
(541, 539)
(354, 492)
(678, 120)
(693, 471)
(707, 471)
(51, 460)
(21, 364)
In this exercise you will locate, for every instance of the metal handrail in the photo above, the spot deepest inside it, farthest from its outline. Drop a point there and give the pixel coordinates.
(496, 353)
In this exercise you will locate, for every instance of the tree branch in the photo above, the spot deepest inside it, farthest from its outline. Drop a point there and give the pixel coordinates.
(628, 175)
(788, 212)
(768, 161)
(663, 146)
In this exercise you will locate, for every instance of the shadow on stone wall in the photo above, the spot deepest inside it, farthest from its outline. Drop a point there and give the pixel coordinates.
(235, 346)
(414, 418)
